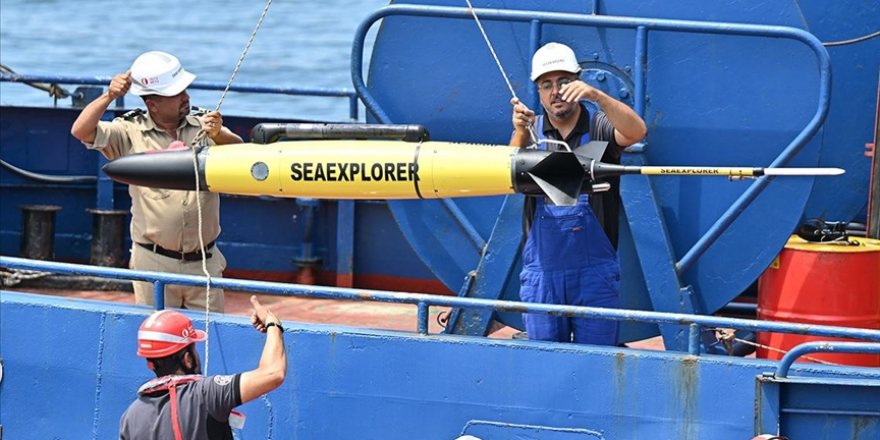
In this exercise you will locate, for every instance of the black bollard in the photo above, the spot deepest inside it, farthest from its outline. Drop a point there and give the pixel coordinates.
(38, 231)
(108, 238)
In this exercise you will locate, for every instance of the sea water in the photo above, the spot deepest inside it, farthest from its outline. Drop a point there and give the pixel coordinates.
(301, 43)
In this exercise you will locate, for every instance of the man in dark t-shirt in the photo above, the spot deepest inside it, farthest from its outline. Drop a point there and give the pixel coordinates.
(568, 257)
(180, 403)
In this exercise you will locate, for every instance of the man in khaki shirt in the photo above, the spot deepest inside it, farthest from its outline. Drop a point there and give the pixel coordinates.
(164, 223)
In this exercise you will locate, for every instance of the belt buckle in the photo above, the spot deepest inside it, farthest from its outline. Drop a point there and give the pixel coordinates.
(192, 256)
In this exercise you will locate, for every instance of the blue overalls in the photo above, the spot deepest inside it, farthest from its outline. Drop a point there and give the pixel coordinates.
(568, 259)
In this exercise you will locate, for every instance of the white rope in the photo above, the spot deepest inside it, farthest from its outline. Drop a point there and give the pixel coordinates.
(247, 47)
(728, 334)
(204, 257)
(201, 140)
(498, 63)
(767, 347)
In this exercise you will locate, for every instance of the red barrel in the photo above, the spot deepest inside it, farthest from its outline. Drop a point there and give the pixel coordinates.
(821, 283)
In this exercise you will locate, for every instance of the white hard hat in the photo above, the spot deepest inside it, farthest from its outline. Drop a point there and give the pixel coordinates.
(552, 57)
(159, 73)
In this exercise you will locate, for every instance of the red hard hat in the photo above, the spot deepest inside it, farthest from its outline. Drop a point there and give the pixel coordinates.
(166, 332)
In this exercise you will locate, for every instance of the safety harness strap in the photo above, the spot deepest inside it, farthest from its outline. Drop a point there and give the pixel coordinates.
(170, 384)
(175, 420)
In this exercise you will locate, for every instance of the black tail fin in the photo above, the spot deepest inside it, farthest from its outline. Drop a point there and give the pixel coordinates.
(561, 176)
(592, 150)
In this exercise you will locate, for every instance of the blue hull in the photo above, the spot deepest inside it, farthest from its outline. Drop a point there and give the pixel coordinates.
(70, 370)
(729, 83)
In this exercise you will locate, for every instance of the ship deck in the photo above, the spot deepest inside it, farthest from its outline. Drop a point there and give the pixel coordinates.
(366, 314)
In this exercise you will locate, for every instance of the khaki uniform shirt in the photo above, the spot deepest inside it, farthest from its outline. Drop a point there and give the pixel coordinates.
(168, 218)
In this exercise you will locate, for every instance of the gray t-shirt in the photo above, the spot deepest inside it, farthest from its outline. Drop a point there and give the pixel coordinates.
(203, 410)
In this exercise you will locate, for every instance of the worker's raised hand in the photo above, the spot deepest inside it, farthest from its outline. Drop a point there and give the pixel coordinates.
(523, 117)
(578, 90)
(261, 315)
(212, 122)
(119, 85)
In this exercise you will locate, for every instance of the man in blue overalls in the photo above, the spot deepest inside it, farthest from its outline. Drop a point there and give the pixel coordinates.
(568, 257)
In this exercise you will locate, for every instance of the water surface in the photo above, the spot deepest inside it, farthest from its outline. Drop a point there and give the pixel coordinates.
(300, 44)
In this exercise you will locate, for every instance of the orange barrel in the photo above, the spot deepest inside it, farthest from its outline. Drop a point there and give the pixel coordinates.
(821, 283)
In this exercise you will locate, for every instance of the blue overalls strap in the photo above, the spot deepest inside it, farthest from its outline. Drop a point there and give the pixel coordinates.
(539, 128)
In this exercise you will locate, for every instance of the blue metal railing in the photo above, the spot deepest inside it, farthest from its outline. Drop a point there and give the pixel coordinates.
(695, 323)
(199, 85)
(828, 347)
(642, 26)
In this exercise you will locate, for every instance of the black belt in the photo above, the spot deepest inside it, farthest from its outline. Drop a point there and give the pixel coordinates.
(186, 256)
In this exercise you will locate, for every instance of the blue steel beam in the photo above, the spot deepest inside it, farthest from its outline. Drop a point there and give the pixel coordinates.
(498, 259)
(647, 226)
(804, 406)
(536, 29)
(469, 230)
(345, 243)
(441, 300)
(104, 189)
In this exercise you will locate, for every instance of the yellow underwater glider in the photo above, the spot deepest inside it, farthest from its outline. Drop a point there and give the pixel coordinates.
(383, 169)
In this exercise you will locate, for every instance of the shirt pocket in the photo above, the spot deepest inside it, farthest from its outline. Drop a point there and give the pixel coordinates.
(154, 193)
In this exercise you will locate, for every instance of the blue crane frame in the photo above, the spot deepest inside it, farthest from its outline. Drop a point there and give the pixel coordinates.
(669, 283)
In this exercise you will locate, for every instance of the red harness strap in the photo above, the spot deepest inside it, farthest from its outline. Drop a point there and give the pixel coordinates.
(175, 420)
(170, 383)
